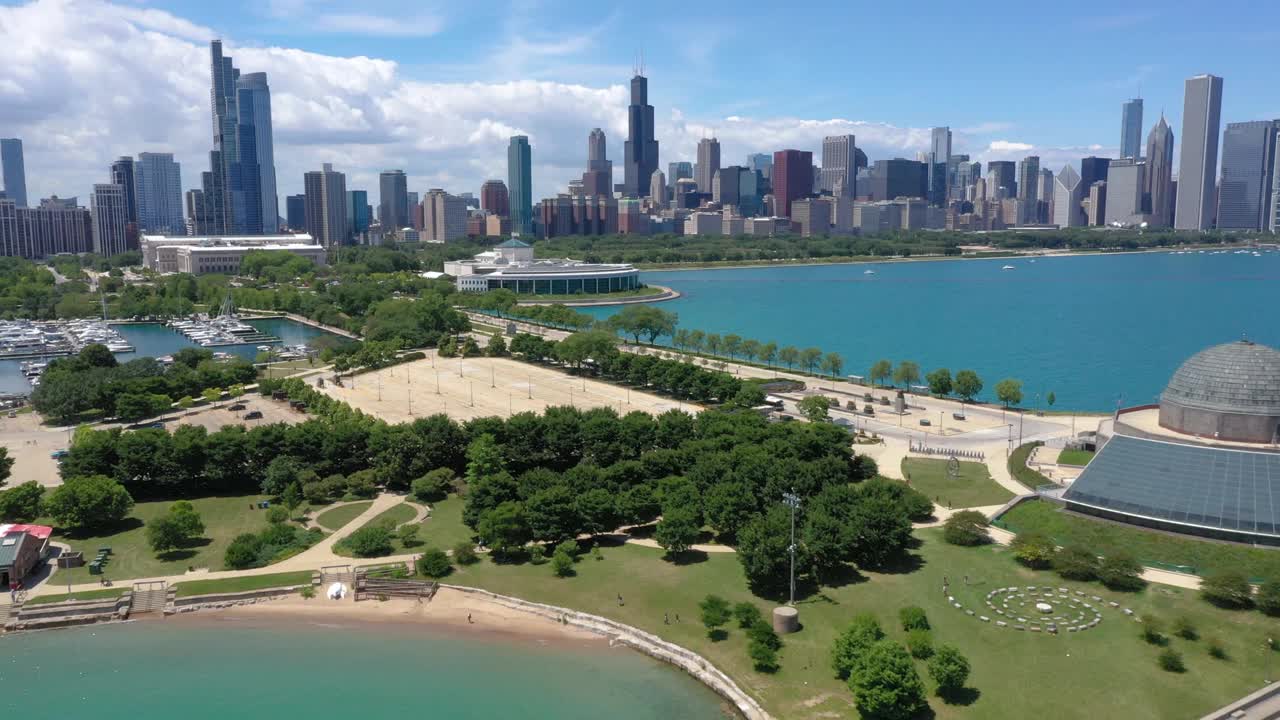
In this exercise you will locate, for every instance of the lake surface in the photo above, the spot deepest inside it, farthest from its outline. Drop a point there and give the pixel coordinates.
(155, 340)
(198, 669)
(1089, 328)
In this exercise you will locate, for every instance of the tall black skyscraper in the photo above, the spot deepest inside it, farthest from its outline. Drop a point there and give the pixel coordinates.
(239, 191)
(122, 174)
(641, 149)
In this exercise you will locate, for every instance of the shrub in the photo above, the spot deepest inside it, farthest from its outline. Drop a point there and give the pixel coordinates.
(1076, 563)
(1185, 629)
(1268, 599)
(369, 541)
(920, 643)
(242, 552)
(562, 564)
(1033, 549)
(1120, 571)
(1216, 649)
(1170, 660)
(967, 527)
(569, 547)
(762, 632)
(848, 649)
(747, 614)
(434, 563)
(949, 669)
(277, 514)
(537, 553)
(886, 685)
(464, 553)
(763, 658)
(913, 618)
(1153, 630)
(1227, 589)
(307, 592)
(435, 485)
(408, 534)
(715, 614)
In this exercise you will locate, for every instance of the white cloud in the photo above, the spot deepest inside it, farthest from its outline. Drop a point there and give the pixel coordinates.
(388, 26)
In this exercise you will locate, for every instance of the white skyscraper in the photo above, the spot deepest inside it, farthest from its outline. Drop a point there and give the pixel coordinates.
(1198, 163)
(704, 170)
(839, 165)
(1066, 199)
(159, 193)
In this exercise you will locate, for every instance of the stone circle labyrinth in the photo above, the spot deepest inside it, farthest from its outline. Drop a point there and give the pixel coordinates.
(1042, 609)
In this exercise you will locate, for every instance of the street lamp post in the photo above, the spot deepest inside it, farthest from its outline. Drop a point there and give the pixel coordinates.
(792, 500)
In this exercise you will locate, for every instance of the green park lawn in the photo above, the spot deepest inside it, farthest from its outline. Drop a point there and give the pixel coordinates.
(973, 488)
(242, 584)
(1151, 547)
(132, 557)
(103, 594)
(1105, 672)
(1075, 457)
(444, 527)
(341, 515)
(394, 516)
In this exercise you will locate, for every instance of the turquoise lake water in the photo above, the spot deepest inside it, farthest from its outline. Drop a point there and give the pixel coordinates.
(1090, 328)
(215, 669)
(154, 340)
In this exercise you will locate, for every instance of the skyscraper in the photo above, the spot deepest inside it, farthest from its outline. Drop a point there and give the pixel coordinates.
(641, 149)
(1159, 175)
(494, 198)
(658, 189)
(1126, 192)
(326, 206)
(939, 154)
(1002, 174)
(159, 194)
(1093, 169)
(393, 200)
(704, 171)
(444, 216)
(239, 191)
(122, 174)
(358, 220)
(839, 165)
(296, 212)
(1029, 189)
(1131, 129)
(762, 162)
(1198, 163)
(13, 171)
(1066, 199)
(681, 170)
(1248, 164)
(792, 178)
(254, 98)
(110, 218)
(520, 180)
(598, 179)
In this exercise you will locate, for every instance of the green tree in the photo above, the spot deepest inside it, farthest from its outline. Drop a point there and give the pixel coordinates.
(292, 496)
(96, 355)
(1033, 549)
(919, 643)
(6, 466)
(1118, 570)
(1009, 391)
(832, 364)
(644, 321)
(21, 503)
(464, 553)
(591, 344)
(763, 550)
(967, 527)
(715, 615)
(769, 353)
(789, 356)
(243, 551)
(881, 371)
(434, 486)
(1050, 398)
(939, 382)
(810, 359)
(886, 685)
(505, 529)
(852, 645)
(913, 617)
(728, 506)
(1075, 562)
(434, 563)
(1267, 600)
(211, 395)
(677, 531)
(277, 514)
(92, 502)
(968, 385)
(747, 614)
(731, 345)
(497, 347)
(906, 374)
(814, 407)
(369, 541)
(949, 670)
(562, 564)
(1227, 589)
(408, 534)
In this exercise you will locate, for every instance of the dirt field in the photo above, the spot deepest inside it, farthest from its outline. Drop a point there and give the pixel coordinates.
(214, 418)
(30, 445)
(481, 387)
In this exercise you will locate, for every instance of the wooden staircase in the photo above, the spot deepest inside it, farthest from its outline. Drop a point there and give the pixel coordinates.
(149, 597)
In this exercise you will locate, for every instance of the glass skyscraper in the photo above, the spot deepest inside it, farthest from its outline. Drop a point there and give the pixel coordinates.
(1131, 129)
(641, 148)
(520, 184)
(12, 171)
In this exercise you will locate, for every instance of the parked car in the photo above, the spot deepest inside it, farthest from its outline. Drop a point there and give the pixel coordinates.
(237, 407)
(253, 415)
(59, 454)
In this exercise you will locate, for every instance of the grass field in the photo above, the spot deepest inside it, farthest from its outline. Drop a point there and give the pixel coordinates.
(1148, 546)
(102, 594)
(974, 487)
(242, 584)
(395, 516)
(132, 557)
(1075, 457)
(1029, 478)
(444, 528)
(340, 516)
(1106, 672)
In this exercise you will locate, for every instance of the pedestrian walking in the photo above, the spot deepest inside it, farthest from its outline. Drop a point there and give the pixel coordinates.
(620, 603)
(666, 619)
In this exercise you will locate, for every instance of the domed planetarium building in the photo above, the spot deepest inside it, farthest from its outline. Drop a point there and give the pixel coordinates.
(1205, 460)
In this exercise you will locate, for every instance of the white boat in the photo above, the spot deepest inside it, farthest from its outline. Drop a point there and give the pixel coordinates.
(1007, 267)
(868, 272)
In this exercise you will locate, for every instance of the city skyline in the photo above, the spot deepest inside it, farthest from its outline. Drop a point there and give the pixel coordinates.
(355, 124)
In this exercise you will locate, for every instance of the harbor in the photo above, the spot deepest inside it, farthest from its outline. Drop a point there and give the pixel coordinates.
(221, 331)
(20, 339)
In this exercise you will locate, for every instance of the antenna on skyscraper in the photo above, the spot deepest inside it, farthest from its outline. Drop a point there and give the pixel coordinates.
(641, 61)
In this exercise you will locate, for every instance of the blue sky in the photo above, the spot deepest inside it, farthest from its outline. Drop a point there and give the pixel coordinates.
(436, 88)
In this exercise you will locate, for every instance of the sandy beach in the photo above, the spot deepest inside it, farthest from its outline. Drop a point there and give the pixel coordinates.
(448, 610)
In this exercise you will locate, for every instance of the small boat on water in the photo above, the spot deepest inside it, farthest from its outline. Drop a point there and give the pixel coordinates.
(1007, 267)
(868, 272)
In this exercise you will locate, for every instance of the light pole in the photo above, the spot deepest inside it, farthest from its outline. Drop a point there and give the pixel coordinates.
(792, 500)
